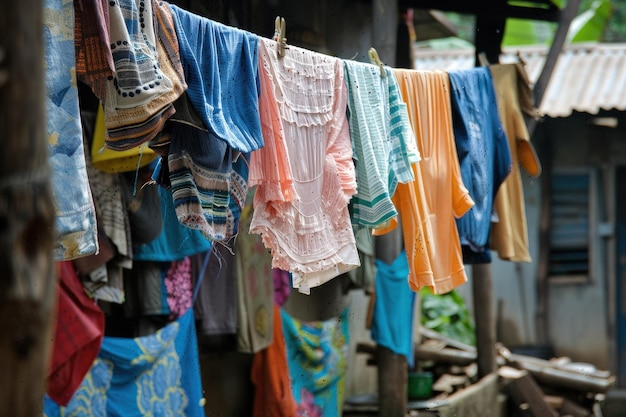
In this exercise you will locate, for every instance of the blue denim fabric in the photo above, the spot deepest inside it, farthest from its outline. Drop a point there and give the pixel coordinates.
(75, 213)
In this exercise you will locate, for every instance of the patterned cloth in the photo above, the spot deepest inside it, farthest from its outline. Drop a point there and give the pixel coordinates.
(220, 67)
(200, 169)
(148, 74)
(178, 286)
(94, 61)
(317, 354)
(75, 212)
(484, 156)
(157, 375)
(282, 286)
(382, 140)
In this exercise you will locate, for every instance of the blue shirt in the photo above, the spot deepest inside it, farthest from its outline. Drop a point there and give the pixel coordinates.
(392, 321)
(221, 70)
(484, 156)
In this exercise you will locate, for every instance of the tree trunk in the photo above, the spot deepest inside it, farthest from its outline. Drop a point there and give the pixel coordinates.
(27, 280)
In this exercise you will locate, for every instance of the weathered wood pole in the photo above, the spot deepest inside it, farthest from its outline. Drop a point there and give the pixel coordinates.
(484, 316)
(27, 279)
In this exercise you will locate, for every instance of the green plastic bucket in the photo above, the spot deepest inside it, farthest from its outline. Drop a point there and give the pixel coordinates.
(420, 385)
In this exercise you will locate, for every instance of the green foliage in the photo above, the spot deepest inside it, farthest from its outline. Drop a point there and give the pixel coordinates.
(590, 25)
(593, 22)
(448, 315)
(519, 32)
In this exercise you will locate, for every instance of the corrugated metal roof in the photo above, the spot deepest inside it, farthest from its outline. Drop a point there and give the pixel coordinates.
(587, 77)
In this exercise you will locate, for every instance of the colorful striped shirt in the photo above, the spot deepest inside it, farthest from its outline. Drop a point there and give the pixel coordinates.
(380, 131)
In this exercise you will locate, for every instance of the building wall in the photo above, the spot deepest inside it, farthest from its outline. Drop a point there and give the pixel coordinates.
(581, 315)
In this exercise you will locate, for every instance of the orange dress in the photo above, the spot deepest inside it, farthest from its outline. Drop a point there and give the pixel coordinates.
(429, 205)
(270, 375)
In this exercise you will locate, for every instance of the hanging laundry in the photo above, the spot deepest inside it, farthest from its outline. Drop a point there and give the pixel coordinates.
(113, 161)
(392, 320)
(149, 76)
(77, 338)
(102, 273)
(282, 286)
(255, 288)
(428, 206)
(175, 240)
(221, 69)
(142, 199)
(153, 375)
(179, 287)
(382, 140)
(484, 156)
(208, 181)
(146, 294)
(309, 230)
(75, 213)
(207, 170)
(509, 234)
(364, 277)
(270, 375)
(317, 354)
(94, 60)
(216, 306)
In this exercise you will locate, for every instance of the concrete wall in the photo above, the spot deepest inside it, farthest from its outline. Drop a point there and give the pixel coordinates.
(581, 314)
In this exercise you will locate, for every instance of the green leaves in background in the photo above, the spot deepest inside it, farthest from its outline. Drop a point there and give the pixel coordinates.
(520, 32)
(589, 26)
(448, 315)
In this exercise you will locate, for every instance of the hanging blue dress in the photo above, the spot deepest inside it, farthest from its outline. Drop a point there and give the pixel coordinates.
(156, 375)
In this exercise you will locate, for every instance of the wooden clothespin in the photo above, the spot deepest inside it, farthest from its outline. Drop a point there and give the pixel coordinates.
(482, 59)
(375, 59)
(280, 35)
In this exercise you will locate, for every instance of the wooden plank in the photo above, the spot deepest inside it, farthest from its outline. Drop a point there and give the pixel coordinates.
(526, 395)
(539, 12)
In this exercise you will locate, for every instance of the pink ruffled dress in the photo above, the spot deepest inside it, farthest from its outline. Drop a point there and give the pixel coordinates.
(305, 173)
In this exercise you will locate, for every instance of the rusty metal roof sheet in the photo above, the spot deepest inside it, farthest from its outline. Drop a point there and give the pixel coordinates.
(587, 77)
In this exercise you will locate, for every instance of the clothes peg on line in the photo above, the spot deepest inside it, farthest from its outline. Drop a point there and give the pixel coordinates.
(375, 59)
(482, 59)
(280, 35)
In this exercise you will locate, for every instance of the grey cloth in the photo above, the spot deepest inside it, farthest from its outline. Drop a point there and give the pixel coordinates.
(215, 307)
(145, 290)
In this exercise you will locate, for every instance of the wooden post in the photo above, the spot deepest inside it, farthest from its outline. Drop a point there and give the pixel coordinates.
(27, 283)
(392, 368)
(482, 292)
(565, 20)
(542, 286)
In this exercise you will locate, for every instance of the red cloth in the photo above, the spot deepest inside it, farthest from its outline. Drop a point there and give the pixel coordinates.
(270, 375)
(77, 338)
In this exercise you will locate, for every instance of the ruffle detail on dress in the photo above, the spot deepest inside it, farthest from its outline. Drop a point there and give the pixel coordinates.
(336, 254)
(304, 83)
